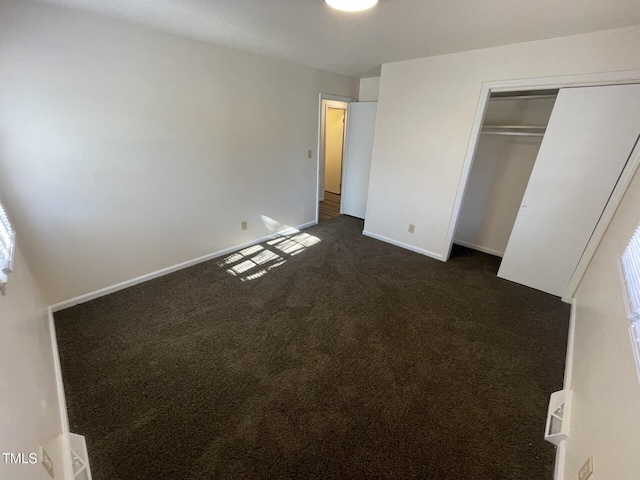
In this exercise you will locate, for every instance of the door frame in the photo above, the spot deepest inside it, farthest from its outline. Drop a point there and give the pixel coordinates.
(548, 83)
(340, 102)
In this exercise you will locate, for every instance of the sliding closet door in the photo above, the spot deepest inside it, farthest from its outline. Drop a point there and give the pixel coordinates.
(587, 143)
(357, 157)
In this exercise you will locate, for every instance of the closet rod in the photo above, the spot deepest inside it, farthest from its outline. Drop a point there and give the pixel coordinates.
(521, 130)
(524, 97)
(516, 127)
(521, 134)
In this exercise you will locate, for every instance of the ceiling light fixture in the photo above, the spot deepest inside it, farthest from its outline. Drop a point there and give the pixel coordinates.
(351, 5)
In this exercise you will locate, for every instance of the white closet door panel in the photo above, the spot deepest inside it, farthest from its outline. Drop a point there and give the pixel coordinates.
(357, 161)
(587, 143)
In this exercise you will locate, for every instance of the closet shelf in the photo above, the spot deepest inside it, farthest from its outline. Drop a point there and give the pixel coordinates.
(520, 130)
(524, 97)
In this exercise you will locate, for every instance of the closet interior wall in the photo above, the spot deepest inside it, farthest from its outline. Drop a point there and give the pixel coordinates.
(512, 132)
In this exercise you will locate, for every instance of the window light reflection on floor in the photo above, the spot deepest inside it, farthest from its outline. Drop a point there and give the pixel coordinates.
(250, 250)
(289, 242)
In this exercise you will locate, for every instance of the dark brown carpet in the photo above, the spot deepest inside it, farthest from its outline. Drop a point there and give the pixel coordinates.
(353, 359)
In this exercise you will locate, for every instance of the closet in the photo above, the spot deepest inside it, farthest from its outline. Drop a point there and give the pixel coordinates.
(510, 138)
(544, 169)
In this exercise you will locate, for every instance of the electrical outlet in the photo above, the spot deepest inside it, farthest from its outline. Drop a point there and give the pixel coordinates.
(46, 461)
(586, 470)
(309, 154)
(412, 228)
(244, 225)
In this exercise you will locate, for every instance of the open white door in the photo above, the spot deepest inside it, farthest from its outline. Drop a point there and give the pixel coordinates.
(357, 158)
(590, 136)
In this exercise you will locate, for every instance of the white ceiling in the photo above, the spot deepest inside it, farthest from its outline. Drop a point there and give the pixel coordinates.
(356, 44)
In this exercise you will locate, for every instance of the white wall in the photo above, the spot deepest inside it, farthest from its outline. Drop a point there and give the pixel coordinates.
(426, 110)
(29, 407)
(501, 169)
(124, 150)
(605, 413)
(369, 88)
(497, 183)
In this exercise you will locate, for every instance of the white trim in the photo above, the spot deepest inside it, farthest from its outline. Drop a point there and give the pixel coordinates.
(326, 105)
(566, 385)
(490, 251)
(344, 158)
(561, 454)
(568, 81)
(174, 268)
(568, 364)
(343, 165)
(62, 399)
(472, 146)
(403, 245)
(60, 448)
(605, 219)
(63, 450)
(337, 98)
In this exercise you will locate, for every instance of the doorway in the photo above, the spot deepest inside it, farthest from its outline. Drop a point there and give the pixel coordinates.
(511, 135)
(332, 142)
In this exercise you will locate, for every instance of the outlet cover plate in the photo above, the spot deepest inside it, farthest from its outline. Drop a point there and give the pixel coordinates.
(46, 461)
(586, 470)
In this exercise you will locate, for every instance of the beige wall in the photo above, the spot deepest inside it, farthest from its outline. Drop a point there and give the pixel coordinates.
(124, 150)
(605, 409)
(29, 407)
(425, 114)
(369, 89)
(334, 143)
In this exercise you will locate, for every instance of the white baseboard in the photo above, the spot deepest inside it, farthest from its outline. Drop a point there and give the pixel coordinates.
(568, 374)
(59, 449)
(58, 374)
(558, 473)
(480, 248)
(568, 366)
(406, 246)
(174, 268)
(294, 229)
